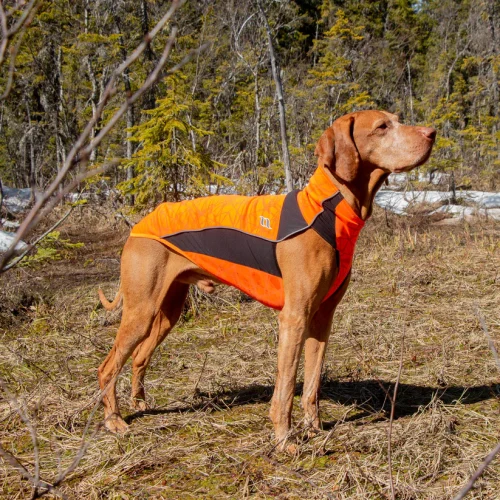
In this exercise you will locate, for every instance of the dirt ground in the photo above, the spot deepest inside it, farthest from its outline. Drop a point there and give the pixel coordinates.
(415, 293)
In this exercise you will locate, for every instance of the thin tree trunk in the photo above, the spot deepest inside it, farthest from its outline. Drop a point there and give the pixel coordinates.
(130, 199)
(60, 153)
(94, 102)
(32, 170)
(94, 98)
(145, 28)
(150, 98)
(315, 52)
(281, 101)
(257, 131)
(411, 91)
(130, 124)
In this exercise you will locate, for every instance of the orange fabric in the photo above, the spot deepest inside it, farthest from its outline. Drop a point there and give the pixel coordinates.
(265, 288)
(347, 223)
(237, 212)
(257, 216)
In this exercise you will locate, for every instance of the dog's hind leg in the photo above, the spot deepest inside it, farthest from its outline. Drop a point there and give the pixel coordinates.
(145, 279)
(135, 327)
(167, 318)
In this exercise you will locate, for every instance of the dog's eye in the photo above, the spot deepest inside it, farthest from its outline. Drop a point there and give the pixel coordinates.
(382, 126)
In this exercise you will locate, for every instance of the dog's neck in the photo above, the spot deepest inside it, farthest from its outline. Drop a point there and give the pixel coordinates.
(359, 193)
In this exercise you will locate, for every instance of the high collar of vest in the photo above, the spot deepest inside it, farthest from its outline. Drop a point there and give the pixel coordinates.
(321, 188)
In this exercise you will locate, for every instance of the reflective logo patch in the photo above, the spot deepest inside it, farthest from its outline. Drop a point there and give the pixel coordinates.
(265, 222)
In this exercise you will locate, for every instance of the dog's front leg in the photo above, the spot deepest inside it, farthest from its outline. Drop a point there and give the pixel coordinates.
(315, 348)
(306, 281)
(292, 333)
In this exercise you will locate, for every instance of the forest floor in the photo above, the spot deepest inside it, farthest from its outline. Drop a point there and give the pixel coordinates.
(207, 434)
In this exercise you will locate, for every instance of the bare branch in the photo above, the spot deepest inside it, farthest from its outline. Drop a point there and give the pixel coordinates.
(80, 151)
(484, 464)
(42, 487)
(85, 443)
(18, 30)
(477, 474)
(25, 16)
(38, 240)
(14, 462)
(34, 479)
(13, 54)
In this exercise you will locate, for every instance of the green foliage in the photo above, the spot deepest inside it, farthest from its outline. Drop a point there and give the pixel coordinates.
(170, 161)
(51, 248)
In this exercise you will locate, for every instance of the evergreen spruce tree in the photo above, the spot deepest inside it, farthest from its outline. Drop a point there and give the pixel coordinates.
(169, 163)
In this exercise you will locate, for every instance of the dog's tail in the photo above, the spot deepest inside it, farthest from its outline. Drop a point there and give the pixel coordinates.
(110, 306)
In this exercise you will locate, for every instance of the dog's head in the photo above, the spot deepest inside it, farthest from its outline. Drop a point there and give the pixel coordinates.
(366, 140)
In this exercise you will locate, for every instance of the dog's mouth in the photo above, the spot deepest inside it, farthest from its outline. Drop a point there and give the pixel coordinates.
(415, 164)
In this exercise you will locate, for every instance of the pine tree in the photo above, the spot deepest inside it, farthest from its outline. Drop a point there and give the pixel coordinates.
(168, 163)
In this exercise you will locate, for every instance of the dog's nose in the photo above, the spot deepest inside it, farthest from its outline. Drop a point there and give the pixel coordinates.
(429, 132)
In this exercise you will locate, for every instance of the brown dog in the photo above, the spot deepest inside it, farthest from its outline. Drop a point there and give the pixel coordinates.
(357, 153)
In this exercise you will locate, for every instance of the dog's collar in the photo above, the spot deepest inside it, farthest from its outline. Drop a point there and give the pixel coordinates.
(321, 188)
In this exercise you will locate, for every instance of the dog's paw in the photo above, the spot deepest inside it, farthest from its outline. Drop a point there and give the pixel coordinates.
(139, 404)
(115, 424)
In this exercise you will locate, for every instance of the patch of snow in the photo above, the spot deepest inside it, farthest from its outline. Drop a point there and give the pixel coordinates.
(6, 240)
(494, 213)
(399, 201)
(393, 201)
(9, 224)
(482, 198)
(99, 196)
(16, 200)
(485, 203)
(467, 212)
(398, 179)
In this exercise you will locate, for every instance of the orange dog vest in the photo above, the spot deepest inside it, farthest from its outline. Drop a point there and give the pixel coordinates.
(234, 237)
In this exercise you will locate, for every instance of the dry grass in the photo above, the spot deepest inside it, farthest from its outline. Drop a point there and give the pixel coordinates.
(208, 435)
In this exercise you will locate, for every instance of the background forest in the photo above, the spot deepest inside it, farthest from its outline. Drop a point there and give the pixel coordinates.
(214, 125)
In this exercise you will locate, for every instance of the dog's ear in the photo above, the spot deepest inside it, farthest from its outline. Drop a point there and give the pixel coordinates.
(337, 151)
(325, 149)
(346, 153)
